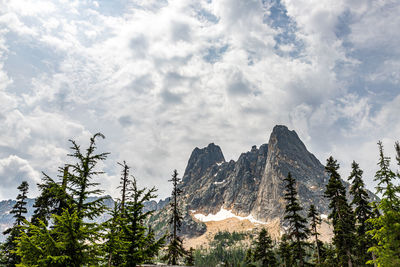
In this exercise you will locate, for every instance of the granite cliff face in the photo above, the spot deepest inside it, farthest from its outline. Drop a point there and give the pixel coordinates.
(253, 185)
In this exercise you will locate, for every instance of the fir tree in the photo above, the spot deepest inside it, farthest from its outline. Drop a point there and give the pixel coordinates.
(315, 221)
(362, 212)
(14, 233)
(263, 250)
(81, 176)
(284, 252)
(113, 244)
(297, 230)
(386, 227)
(341, 215)
(175, 248)
(53, 198)
(189, 260)
(124, 183)
(385, 177)
(72, 240)
(140, 243)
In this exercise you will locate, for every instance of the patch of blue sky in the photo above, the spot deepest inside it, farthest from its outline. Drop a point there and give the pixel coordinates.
(370, 60)
(214, 54)
(27, 59)
(278, 19)
(204, 15)
(113, 8)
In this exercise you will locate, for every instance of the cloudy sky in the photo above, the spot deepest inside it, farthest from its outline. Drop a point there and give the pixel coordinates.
(159, 78)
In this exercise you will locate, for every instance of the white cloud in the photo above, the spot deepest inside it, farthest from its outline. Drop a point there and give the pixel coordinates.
(160, 78)
(14, 170)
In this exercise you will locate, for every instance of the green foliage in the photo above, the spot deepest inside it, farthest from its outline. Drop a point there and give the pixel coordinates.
(221, 254)
(72, 240)
(297, 230)
(263, 249)
(315, 221)
(362, 212)
(140, 244)
(175, 249)
(386, 226)
(189, 260)
(53, 198)
(341, 215)
(228, 238)
(284, 252)
(113, 243)
(9, 257)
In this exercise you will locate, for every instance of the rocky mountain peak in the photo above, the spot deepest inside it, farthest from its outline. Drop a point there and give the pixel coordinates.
(289, 152)
(201, 159)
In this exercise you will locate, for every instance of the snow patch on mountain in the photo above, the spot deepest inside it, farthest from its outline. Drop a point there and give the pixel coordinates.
(223, 214)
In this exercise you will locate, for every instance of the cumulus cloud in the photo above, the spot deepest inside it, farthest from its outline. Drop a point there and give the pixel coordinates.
(14, 170)
(159, 78)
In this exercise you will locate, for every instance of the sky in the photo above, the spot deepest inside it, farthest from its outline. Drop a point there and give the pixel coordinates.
(159, 78)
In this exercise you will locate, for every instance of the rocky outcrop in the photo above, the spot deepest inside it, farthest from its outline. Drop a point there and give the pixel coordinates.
(253, 185)
(232, 185)
(287, 153)
(200, 160)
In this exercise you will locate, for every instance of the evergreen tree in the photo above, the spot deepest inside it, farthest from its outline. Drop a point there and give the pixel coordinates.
(386, 227)
(385, 177)
(53, 198)
(341, 215)
(284, 252)
(124, 183)
(140, 243)
(72, 240)
(263, 250)
(362, 212)
(113, 243)
(175, 248)
(297, 230)
(19, 209)
(189, 260)
(315, 221)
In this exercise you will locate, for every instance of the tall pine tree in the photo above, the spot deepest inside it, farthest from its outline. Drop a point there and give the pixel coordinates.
(341, 215)
(53, 198)
(297, 230)
(19, 210)
(386, 226)
(263, 251)
(315, 221)
(284, 252)
(175, 249)
(73, 240)
(140, 244)
(362, 212)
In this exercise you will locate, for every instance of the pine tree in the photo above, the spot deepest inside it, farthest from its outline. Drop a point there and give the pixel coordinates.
(19, 209)
(362, 212)
(385, 177)
(72, 240)
(53, 198)
(113, 244)
(284, 252)
(124, 183)
(341, 215)
(141, 245)
(386, 227)
(297, 230)
(175, 248)
(189, 260)
(315, 221)
(263, 250)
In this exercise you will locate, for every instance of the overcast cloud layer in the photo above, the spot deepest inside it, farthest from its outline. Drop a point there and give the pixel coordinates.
(159, 78)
